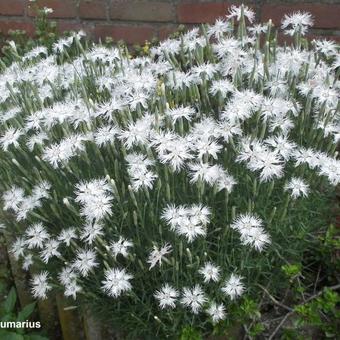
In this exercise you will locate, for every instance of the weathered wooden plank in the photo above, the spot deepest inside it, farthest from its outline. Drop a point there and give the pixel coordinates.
(5, 273)
(48, 315)
(92, 327)
(70, 319)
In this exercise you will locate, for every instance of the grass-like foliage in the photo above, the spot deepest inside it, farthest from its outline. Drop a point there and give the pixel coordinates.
(167, 190)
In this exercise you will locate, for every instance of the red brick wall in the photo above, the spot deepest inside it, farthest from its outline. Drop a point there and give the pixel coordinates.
(140, 20)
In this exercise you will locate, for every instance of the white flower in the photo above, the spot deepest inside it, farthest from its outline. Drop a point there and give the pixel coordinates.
(41, 190)
(28, 204)
(205, 172)
(259, 158)
(193, 298)
(233, 287)
(241, 106)
(50, 250)
(138, 160)
(170, 46)
(282, 145)
(28, 261)
(207, 147)
(85, 261)
(86, 190)
(256, 237)
(177, 80)
(166, 296)
(104, 54)
(36, 235)
(236, 11)
(191, 40)
(157, 255)
(95, 197)
(327, 47)
(251, 230)
(35, 121)
(212, 175)
(172, 215)
(141, 176)
(191, 229)
(116, 282)
(13, 198)
(297, 22)
(219, 29)
(257, 29)
(309, 156)
(66, 235)
(188, 221)
(326, 95)
(210, 272)
(35, 52)
(180, 112)
(226, 182)
(138, 132)
(91, 231)
(58, 153)
(216, 312)
(206, 70)
(226, 46)
(297, 187)
(270, 163)
(199, 213)
(106, 135)
(246, 221)
(10, 137)
(9, 114)
(330, 168)
(174, 152)
(61, 44)
(121, 247)
(222, 87)
(37, 139)
(138, 98)
(282, 123)
(274, 107)
(40, 285)
(72, 289)
(105, 110)
(18, 247)
(67, 275)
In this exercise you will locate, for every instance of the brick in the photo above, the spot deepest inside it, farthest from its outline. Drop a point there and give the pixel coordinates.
(142, 11)
(92, 9)
(165, 31)
(195, 13)
(325, 15)
(12, 7)
(130, 34)
(6, 25)
(61, 8)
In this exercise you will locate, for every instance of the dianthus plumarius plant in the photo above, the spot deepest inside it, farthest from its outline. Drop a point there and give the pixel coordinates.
(166, 189)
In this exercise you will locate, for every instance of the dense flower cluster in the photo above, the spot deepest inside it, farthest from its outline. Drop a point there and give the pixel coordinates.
(157, 179)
